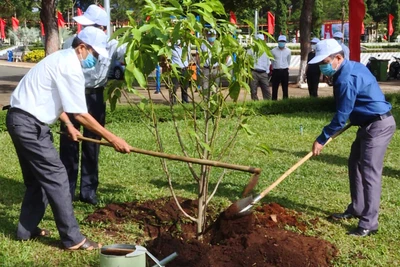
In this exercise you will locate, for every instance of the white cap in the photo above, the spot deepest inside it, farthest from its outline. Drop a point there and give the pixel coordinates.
(282, 38)
(315, 40)
(260, 36)
(324, 49)
(211, 32)
(93, 15)
(96, 38)
(338, 35)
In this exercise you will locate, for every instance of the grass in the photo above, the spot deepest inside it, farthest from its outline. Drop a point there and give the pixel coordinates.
(317, 189)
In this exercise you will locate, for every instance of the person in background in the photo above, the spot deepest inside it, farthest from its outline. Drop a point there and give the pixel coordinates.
(54, 86)
(96, 77)
(182, 66)
(280, 63)
(210, 71)
(338, 36)
(260, 73)
(358, 98)
(313, 72)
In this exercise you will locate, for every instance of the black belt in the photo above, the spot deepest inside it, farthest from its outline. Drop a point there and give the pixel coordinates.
(91, 91)
(259, 71)
(211, 68)
(377, 118)
(280, 69)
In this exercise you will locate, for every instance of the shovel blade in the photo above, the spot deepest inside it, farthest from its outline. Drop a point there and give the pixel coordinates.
(241, 207)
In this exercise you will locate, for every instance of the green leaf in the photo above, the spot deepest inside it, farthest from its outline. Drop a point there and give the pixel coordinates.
(119, 32)
(246, 128)
(234, 91)
(264, 149)
(204, 6)
(139, 77)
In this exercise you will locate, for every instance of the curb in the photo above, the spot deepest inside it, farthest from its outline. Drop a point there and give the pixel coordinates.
(17, 64)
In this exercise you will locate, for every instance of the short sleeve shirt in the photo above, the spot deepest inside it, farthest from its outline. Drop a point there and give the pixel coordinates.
(54, 85)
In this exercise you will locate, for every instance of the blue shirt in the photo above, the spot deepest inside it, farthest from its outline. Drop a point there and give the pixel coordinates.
(358, 97)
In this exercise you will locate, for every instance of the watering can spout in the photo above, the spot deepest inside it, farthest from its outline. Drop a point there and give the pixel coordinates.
(139, 250)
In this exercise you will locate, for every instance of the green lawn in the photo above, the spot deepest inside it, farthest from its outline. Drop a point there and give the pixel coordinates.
(316, 189)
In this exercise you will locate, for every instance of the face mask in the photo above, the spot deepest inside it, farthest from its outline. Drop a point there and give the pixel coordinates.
(281, 45)
(327, 69)
(89, 62)
(313, 46)
(211, 39)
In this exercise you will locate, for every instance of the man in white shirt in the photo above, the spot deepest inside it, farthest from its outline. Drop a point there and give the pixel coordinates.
(96, 78)
(182, 66)
(281, 62)
(51, 88)
(260, 73)
(338, 36)
(210, 71)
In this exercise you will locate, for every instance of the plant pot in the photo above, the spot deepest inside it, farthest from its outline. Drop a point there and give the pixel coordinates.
(121, 255)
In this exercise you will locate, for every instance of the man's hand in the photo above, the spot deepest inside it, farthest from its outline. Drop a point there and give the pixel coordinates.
(73, 133)
(317, 148)
(120, 145)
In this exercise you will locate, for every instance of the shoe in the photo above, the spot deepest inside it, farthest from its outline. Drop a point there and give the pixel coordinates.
(342, 216)
(359, 231)
(87, 245)
(89, 200)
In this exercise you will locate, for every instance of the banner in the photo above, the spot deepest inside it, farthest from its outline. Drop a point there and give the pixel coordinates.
(356, 18)
(2, 28)
(42, 29)
(390, 24)
(15, 23)
(60, 20)
(79, 13)
(271, 23)
(232, 18)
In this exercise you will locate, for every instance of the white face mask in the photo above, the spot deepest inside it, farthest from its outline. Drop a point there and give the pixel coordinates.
(313, 46)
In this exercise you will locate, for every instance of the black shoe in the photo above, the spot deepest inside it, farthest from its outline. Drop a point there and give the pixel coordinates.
(342, 216)
(359, 231)
(90, 200)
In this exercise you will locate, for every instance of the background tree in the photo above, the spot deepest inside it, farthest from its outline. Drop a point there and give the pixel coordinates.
(317, 18)
(281, 13)
(48, 17)
(305, 29)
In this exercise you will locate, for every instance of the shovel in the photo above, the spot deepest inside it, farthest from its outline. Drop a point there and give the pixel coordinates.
(255, 171)
(243, 206)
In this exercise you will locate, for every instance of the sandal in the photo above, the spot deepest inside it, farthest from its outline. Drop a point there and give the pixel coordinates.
(87, 245)
(38, 233)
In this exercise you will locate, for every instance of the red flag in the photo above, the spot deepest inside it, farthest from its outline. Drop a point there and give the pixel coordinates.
(390, 26)
(60, 20)
(15, 23)
(362, 28)
(327, 31)
(79, 13)
(42, 29)
(232, 18)
(2, 27)
(356, 18)
(271, 23)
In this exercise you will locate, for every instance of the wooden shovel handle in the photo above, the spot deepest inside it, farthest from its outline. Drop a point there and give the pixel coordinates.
(177, 157)
(299, 163)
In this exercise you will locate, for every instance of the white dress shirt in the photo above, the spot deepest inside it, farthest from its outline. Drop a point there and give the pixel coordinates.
(207, 64)
(260, 63)
(282, 58)
(176, 57)
(54, 85)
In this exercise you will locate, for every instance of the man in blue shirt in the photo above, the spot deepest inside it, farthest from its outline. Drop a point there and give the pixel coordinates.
(358, 98)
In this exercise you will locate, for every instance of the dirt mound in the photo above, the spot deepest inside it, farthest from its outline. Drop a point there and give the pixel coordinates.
(257, 239)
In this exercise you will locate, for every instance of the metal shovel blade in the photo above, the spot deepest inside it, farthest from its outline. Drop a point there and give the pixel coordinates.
(240, 207)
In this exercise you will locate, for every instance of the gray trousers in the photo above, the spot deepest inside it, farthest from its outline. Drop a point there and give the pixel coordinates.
(45, 179)
(365, 170)
(260, 79)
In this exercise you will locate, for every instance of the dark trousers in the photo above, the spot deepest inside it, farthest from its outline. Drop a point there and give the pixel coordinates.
(183, 84)
(280, 76)
(69, 150)
(45, 179)
(365, 170)
(312, 82)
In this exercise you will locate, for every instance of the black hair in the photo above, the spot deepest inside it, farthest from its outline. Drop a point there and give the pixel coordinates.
(76, 42)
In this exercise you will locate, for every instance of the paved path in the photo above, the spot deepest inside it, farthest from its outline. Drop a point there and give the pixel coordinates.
(7, 85)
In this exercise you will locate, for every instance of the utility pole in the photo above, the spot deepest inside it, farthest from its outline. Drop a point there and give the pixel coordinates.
(108, 10)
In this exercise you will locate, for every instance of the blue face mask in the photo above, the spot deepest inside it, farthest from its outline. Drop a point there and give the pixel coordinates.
(327, 69)
(281, 45)
(211, 39)
(89, 62)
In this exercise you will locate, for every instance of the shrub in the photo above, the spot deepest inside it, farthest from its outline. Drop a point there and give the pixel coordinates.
(34, 56)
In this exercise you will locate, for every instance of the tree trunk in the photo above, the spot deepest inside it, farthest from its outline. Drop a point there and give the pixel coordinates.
(47, 15)
(305, 34)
